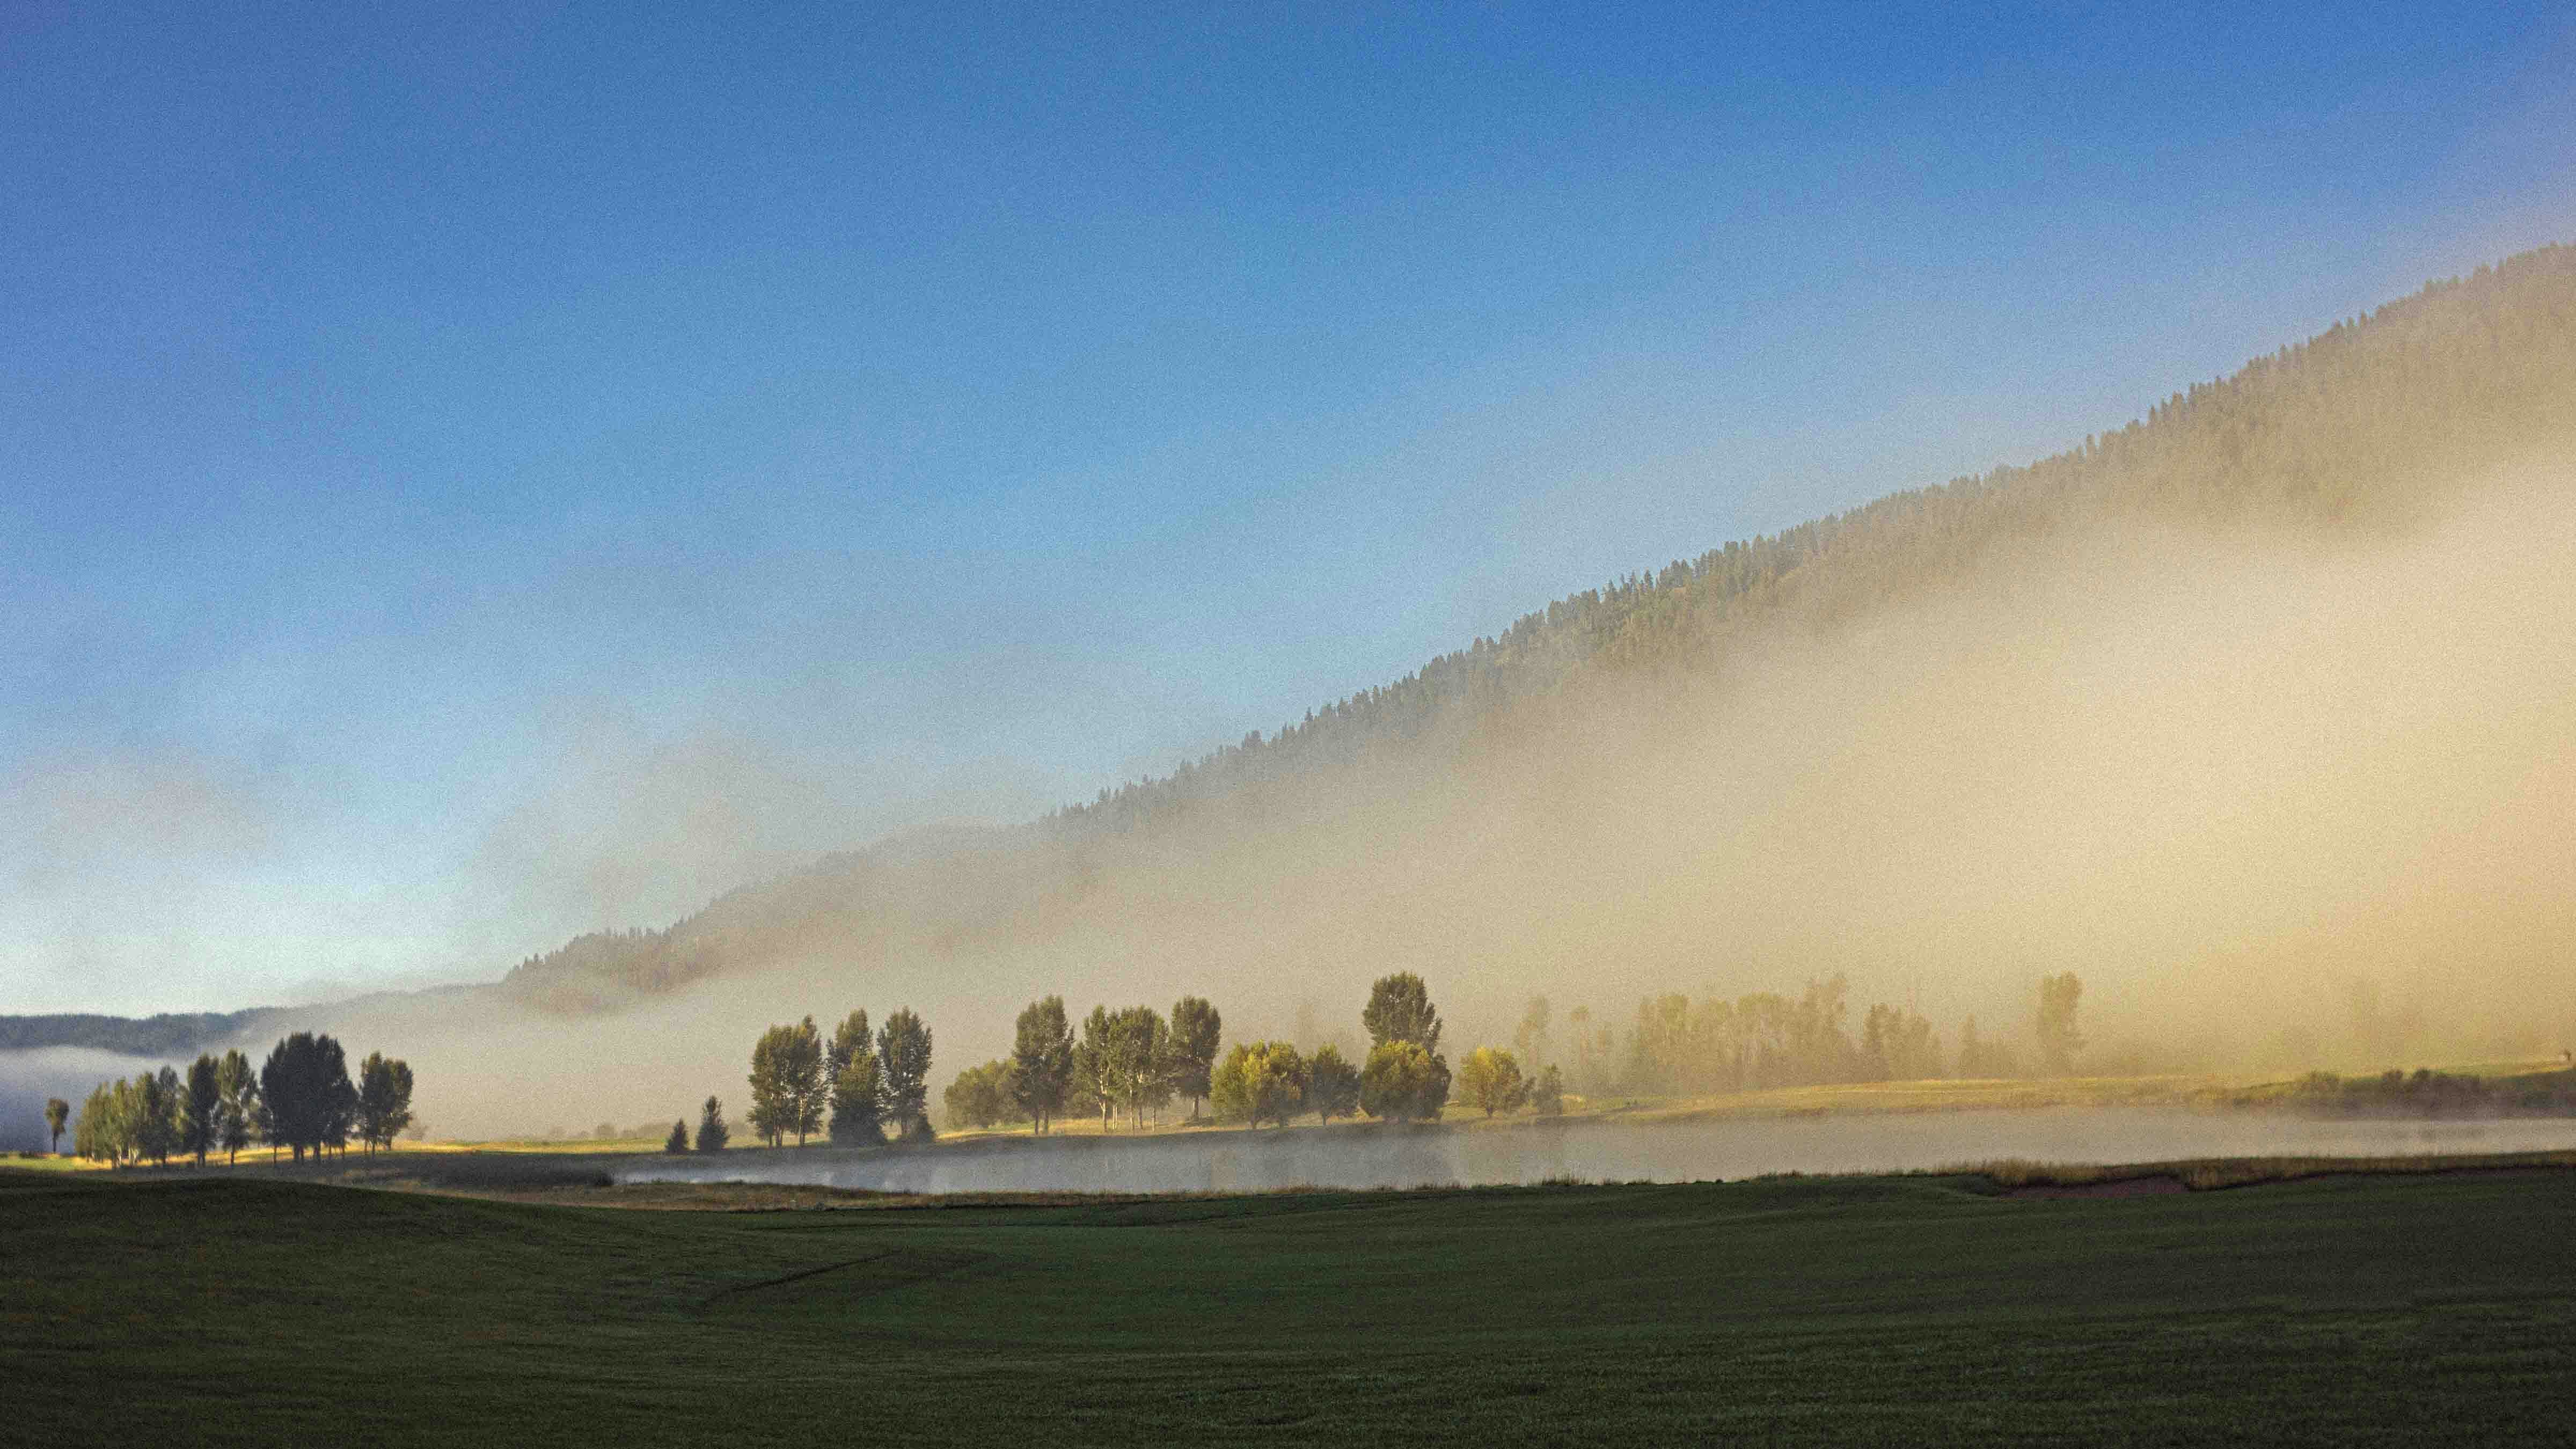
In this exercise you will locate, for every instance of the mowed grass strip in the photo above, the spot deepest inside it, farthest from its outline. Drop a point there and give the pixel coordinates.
(2432, 1309)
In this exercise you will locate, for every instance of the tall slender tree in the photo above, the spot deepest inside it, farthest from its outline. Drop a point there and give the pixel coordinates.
(903, 1054)
(1196, 1031)
(58, 1114)
(1042, 1061)
(773, 1089)
(1095, 1064)
(240, 1111)
(158, 1097)
(712, 1132)
(858, 1084)
(201, 1108)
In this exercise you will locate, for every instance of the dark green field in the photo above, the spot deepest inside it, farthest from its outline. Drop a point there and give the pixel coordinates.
(2406, 1309)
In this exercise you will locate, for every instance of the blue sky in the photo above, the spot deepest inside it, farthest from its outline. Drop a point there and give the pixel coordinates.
(474, 478)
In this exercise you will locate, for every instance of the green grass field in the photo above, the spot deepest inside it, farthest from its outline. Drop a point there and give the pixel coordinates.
(2376, 1309)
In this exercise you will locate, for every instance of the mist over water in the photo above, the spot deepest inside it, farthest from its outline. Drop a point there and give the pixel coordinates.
(1366, 1157)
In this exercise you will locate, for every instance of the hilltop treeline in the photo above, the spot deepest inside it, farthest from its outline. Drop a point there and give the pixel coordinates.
(167, 1035)
(2352, 427)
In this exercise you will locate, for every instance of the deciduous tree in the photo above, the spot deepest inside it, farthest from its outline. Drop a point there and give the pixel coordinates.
(1404, 1082)
(305, 1089)
(384, 1100)
(1490, 1079)
(1042, 1061)
(980, 1097)
(903, 1053)
(239, 1113)
(201, 1108)
(1332, 1084)
(2059, 1041)
(1258, 1081)
(1399, 1009)
(58, 1115)
(1196, 1028)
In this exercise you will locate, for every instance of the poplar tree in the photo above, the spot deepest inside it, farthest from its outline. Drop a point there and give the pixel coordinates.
(240, 1109)
(903, 1055)
(1042, 1058)
(1196, 1029)
(201, 1109)
(58, 1113)
(857, 1084)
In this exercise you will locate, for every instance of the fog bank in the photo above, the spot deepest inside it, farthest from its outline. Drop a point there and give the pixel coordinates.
(2283, 799)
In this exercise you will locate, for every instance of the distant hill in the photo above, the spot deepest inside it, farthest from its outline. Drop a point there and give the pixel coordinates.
(2354, 429)
(168, 1035)
(2344, 430)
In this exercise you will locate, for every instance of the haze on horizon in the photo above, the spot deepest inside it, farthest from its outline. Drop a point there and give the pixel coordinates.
(464, 522)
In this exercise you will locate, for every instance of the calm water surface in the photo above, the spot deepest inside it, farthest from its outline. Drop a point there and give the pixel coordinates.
(1371, 1156)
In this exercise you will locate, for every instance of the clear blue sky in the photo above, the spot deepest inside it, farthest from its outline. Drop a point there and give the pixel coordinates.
(469, 478)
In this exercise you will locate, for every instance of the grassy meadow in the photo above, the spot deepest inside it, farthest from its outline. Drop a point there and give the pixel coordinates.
(2406, 1308)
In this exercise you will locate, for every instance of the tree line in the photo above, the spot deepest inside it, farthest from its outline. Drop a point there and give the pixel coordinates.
(871, 1088)
(301, 1099)
(1675, 1046)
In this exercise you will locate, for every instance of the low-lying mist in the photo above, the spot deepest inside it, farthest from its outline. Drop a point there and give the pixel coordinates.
(1365, 1157)
(2279, 798)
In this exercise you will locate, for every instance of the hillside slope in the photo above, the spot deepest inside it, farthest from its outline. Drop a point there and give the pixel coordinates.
(2353, 430)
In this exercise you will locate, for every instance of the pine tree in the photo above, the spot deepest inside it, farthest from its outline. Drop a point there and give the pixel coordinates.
(678, 1141)
(712, 1133)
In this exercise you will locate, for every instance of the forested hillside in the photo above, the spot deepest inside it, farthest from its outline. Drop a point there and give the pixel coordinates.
(2354, 429)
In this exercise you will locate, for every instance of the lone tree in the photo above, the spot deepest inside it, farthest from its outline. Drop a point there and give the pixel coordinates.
(1403, 1082)
(858, 1085)
(712, 1134)
(384, 1100)
(903, 1051)
(201, 1108)
(1195, 1031)
(2059, 1041)
(1332, 1084)
(1042, 1061)
(1399, 1009)
(1491, 1079)
(58, 1115)
(305, 1090)
(1257, 1080)
(678, 1141)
